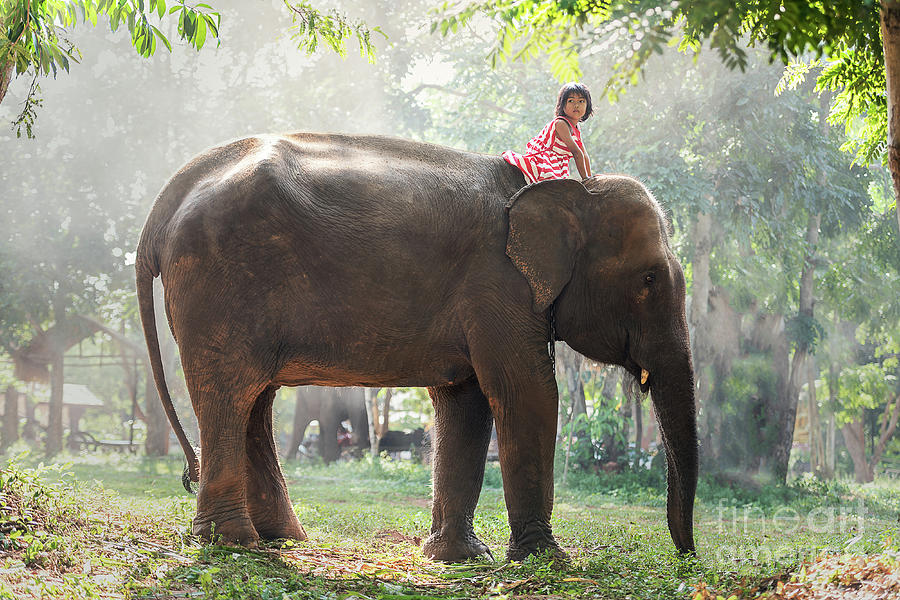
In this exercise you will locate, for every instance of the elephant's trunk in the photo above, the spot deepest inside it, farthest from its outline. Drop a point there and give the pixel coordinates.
(672, 389)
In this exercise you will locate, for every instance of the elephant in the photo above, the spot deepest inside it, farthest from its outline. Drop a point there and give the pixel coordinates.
(399, 441)
(330, 406)
(341, 260)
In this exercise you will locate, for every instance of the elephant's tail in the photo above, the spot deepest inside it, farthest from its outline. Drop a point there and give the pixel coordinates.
(144, 279)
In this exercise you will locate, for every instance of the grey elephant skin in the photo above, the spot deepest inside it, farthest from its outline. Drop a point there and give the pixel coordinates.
(312, 259)
(330, 407)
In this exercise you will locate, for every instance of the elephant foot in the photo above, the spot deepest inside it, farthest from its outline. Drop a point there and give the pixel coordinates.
(557, 555)
(289, 529)
(534, 538)
(236, 530)
(454, 548)
(273, 515)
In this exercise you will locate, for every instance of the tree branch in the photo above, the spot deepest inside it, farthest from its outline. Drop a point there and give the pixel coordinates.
(886, 433)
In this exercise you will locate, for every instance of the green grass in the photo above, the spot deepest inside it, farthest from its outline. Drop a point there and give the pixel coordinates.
(118, 526)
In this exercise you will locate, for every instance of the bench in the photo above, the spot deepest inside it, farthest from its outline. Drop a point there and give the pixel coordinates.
(890, 468)
(83, 439)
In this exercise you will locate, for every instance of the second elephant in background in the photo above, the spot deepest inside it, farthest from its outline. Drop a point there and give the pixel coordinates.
(400, 441)
(330, 407)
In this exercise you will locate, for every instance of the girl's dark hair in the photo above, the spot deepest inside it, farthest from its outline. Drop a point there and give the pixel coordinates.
(573, 89)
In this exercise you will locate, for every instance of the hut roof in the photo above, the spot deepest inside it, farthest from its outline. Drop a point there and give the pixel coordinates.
(75, 394)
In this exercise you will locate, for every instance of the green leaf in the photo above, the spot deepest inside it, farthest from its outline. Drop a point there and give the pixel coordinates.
(14, 33)
(200, 37)
(159, 34)
(190, 25)
(211, 23)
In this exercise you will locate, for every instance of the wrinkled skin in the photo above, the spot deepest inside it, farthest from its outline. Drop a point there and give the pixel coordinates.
(368, 261)
(330, 406)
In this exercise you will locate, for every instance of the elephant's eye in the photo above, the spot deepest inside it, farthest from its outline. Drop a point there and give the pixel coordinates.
(649, 278)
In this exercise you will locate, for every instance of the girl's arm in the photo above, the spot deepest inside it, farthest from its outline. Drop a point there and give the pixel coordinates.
(581, 159)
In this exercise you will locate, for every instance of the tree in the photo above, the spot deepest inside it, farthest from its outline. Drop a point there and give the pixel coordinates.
(33, 38)
(67, 225)
(858, 40)
(749, 180)
(862, 310)
(862, 390)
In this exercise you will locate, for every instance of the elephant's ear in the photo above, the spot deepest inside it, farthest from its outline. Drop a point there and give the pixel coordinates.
(545, 235)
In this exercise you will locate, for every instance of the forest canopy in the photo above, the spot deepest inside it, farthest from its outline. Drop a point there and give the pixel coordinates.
(789, 244)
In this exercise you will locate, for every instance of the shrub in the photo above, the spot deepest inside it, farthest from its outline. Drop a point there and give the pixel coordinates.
(35, 515)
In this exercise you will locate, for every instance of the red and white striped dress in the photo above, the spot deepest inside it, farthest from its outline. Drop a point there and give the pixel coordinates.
(546, 156)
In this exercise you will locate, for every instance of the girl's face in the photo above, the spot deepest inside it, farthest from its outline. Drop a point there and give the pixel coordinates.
(575, 107)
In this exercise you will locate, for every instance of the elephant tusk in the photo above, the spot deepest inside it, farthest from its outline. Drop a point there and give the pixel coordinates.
(644, 375)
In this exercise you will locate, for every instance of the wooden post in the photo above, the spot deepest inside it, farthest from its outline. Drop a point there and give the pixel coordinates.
(55, 408)
(10, 418)
(134, 384)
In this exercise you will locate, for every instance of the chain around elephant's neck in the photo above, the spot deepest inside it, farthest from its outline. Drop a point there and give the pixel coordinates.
(552, 346)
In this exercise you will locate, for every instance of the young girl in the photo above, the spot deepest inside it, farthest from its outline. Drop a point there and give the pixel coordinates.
(547, 154)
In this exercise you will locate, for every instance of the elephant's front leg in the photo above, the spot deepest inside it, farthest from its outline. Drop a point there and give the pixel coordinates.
(462, 431)
(521, 388)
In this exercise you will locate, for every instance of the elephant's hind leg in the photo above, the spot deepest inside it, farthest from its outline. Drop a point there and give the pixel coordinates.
(267, 498)
(222, 499)
(462, 431)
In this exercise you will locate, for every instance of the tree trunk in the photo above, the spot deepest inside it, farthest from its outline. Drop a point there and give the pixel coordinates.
(782, 415)
(831, 440)
(10, 418)
(830, 435)
(386, 415)
(816, 447)
(785, 425)
(6, 71)
(782, 412)
(54, 442)
(6, 76)
(370, 395)
(700, 290)
(888, 426)
(571, 363)
(855, 440)
(30, 428)
(380, 419)
(890, 35)
(700, 284)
